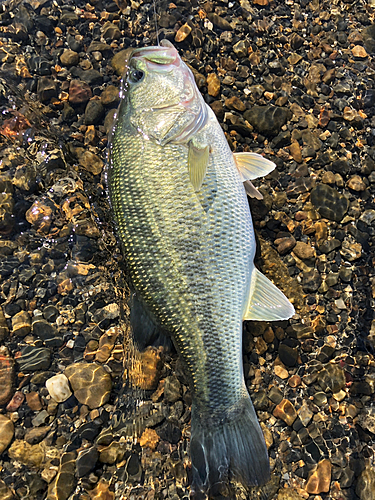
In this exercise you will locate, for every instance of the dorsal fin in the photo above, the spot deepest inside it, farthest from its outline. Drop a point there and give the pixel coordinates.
(266, 302)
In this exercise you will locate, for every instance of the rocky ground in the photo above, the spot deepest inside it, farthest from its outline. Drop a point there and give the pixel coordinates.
(293, 80)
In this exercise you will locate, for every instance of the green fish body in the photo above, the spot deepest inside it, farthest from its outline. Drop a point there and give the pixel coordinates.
(182, 214)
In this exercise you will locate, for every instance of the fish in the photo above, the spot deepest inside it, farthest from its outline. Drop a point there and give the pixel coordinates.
(179, 199)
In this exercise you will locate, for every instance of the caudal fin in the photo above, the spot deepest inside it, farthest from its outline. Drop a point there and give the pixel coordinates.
(231, 447)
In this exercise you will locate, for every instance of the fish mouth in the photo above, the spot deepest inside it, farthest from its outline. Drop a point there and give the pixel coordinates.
(157, 58)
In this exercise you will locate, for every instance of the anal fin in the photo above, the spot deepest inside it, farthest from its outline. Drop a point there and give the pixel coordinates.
(266, 302)
(146, 330)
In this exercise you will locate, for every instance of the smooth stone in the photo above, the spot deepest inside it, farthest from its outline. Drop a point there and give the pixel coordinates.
(285, 411)
(36, 435)
(6, 377)
(40, 419)
(147, 374)
(94, 112)
(305, 414)
(113, 453)
(27, 454)
(91, 162)
(332, 377)
(213, 84)
(368, 217)
(79, 92)
(90, 382)
(33, 401)
(119, 61)
(304, 251)
(356, 183)
(149, 439)
(46, 332)
(110, 96)
(285, 245)
(311, 281)
(46, 89)
(328, 246)
(6, 432)
(21, 324)
(64, 483)
(218, 109)
(39, 215)
(241, 48)
(329, 202)
(219, 22)
(16, 401)
(268, 119)
(288, 355)
(288, 494)
(58, 388)
(69, 58)
(319, 480)
(86, 461)
(34, 358)
(235, 103)
(5, 492)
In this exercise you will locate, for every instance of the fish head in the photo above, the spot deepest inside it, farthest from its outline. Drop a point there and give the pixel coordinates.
(159, 90)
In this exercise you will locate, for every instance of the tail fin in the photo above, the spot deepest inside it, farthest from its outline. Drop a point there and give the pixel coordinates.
(232, 447)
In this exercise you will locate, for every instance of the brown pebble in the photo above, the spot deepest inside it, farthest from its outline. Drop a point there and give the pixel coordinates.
(33, 401)
(79, 92)
(320, 479)
(6, 377)
(183, 33)
(213, 84)
(149, 439)
(39, 216)
(304, 251)
(218, 109)
(295, 151)
(146, 372)
(90, 382)
(16, 401)
(285, 245)
(6, 432)
(285, 411)
(356, 183)
(294, 381)
(268, 335)
(235, 103)
(359, 51)
(321, 231)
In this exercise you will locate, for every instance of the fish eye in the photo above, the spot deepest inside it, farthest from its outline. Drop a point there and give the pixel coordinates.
(136, 76)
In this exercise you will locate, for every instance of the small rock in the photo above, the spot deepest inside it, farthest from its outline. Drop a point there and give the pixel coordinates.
(21, 324)
(46, 332)
(69, 58)
(305, 414)
(36, 435)
(241, 48)
(182, 33)
(16, 401)
(34, 358)
(113, 453)
(79, 92)
(149, 439)
(268, 119)
(311, 281)
(111, 31)
(64, 483)
(58, 388)
(351, 251)
(6, 432)
(147, 374)
(6, 376)
(219, 22)
(33, 401)
(329, 202)
(39, 216)
(91, 162)
(285, 245)
(213, 85)
(235, 103)
(288, 355)
(286, 412)
(90, 382)
(94, 112)
(27, 454)
(356, 183)
(295, 151)
(304, 251)
(359, 52)
(288, 494)
(46, 89)
(110, 96)
(5, 492)
(86, 461)
(218, 109)
(172, 389)
(294, 381)
(120, 60)
(320, 479)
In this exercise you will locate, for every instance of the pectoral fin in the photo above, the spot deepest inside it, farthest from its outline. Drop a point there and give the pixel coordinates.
(251, 165)
(198, 162)
(266, 302)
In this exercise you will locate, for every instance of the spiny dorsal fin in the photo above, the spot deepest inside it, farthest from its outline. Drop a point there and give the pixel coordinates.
(266, 302)
(198, 159)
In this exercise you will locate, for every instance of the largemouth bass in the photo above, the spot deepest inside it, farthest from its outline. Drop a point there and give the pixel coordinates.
(178, 196)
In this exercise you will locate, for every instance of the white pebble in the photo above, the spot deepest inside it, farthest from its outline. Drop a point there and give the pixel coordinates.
(58, 387)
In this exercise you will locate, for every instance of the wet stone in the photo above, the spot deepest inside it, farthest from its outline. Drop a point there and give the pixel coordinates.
(329, 202)
(21, 324)
(90, 382)
(285, 411)
(6, 432)
(288, 494)
(69, 58)
(4, 330)
(268, 119)
(33, 401)
(304, 251)
(319, 481)
(16, 401)
(172, 389)
(288, 355)
(328, 246)
(241, 48)
(149, 439)
(86, 461)
(332, 378)
(113, 453)
(94, 112)
(235, 103)
(110, 96)
(356, 183)
(91, 162)
(6, 376)
(311, 281)
(34, 358)
(27, 454)
(365, 488)
(39, 215)
(219, 22)
(169, 432)
(58, 388)
(46, 89)
(5, 492)
(36, 435)
(146, 375)
(213, 84)
(46, 332)
(64, 482)
(79, 92)
(285, 245)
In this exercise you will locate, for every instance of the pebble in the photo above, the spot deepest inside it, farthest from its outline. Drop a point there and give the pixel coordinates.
(146, 374)
(90, 382)
(365, 488)
(16, 401)
(119, 60)
(45, 331)
(21, 324)
(268, 119)
(304, 251)
(79, 92)
(58, 388)
(288, 355)
(149, 439)
(6, 432)
(332, 377)
(285, 411)
(213, 85)
(91, 162)
(6, 376)
(235, 103)
(113, 453)
(288, 494)
(39, 216)
(356, 183)
(329, 202)
(182, 33)
(33, 401)
(305, 414)
(359, 52)
(64, 483)
(36, 435)
(27, 454)
(110, 96)
(86, 461)
(69, 58)
(34, 358)
(320, 479)
(285, 245)
(94, 112)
